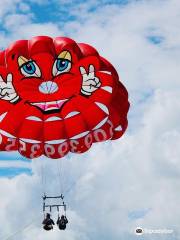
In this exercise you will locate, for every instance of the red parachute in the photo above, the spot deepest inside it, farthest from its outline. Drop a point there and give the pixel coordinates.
(58, 96)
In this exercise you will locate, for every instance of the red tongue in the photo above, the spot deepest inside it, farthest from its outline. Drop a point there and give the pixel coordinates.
(51, 105)
(41, 105)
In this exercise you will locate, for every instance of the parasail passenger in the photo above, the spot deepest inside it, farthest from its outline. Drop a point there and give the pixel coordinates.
(61, 222)
(48, 223)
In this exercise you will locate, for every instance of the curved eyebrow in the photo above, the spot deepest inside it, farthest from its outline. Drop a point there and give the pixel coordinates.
(65, 55)
(22, 60)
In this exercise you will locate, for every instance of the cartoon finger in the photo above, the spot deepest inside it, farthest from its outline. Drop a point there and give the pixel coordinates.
(91, 68)
(6, 98)
(93, 88)
(83, 71)
(9, 78)
(96, 80)
(98, 84)
(4, 91)
(89, 82)
(7, 91)
(91, 73)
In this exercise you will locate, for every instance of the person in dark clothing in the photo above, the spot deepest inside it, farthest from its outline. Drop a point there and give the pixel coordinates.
(61, 222)
(48, 223)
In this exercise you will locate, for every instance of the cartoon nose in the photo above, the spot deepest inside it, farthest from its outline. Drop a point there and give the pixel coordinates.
(48, 87)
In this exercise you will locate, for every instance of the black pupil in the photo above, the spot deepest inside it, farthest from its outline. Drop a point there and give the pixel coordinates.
(29, 67)
(62, 63)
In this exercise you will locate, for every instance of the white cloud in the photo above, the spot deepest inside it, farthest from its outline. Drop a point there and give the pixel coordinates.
(139, 171)
(14, 20)
(5, 163)
(8, 6)
(36, 29)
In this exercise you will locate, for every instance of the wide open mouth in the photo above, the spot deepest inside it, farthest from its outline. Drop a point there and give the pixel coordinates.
(50, 106)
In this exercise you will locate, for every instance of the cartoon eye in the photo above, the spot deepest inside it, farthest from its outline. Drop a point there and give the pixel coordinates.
(30, 69)
(61, 65)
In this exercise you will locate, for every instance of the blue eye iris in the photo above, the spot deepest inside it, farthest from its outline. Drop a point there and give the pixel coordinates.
(62, 64)
(29, 68)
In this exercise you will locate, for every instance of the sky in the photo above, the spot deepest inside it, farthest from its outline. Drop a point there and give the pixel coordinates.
(120, 185)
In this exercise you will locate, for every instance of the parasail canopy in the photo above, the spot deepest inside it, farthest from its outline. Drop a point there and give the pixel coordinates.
(58, 96)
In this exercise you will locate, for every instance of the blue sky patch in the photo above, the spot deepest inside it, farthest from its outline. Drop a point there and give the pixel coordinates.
(12, 156)
(14, 171)
(60, 13)
(155, 39)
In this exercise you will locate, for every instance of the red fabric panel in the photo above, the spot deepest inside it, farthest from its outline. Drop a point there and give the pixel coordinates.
(64, 120)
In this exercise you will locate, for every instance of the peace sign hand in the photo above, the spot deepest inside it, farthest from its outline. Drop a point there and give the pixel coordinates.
(90, 82)
(7, 91)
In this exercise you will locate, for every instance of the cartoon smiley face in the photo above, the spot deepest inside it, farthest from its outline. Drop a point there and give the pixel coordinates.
(58, 96)
(46, 79)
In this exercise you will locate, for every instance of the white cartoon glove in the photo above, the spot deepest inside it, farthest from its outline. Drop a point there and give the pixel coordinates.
(7, 91)
(90, 82)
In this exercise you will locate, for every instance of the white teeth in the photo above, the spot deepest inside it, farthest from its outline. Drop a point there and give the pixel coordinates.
(50, 119)
(63, 100)
(2, 116)
(29, 140)
(80, 135)
(6, 134)
(101, 123)
(119, 128)
(56, 141)
(107, 89)
(103, 107)
(33, 118)
(107, 72)
(35, 103)
(52, 102)
(71, 114)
